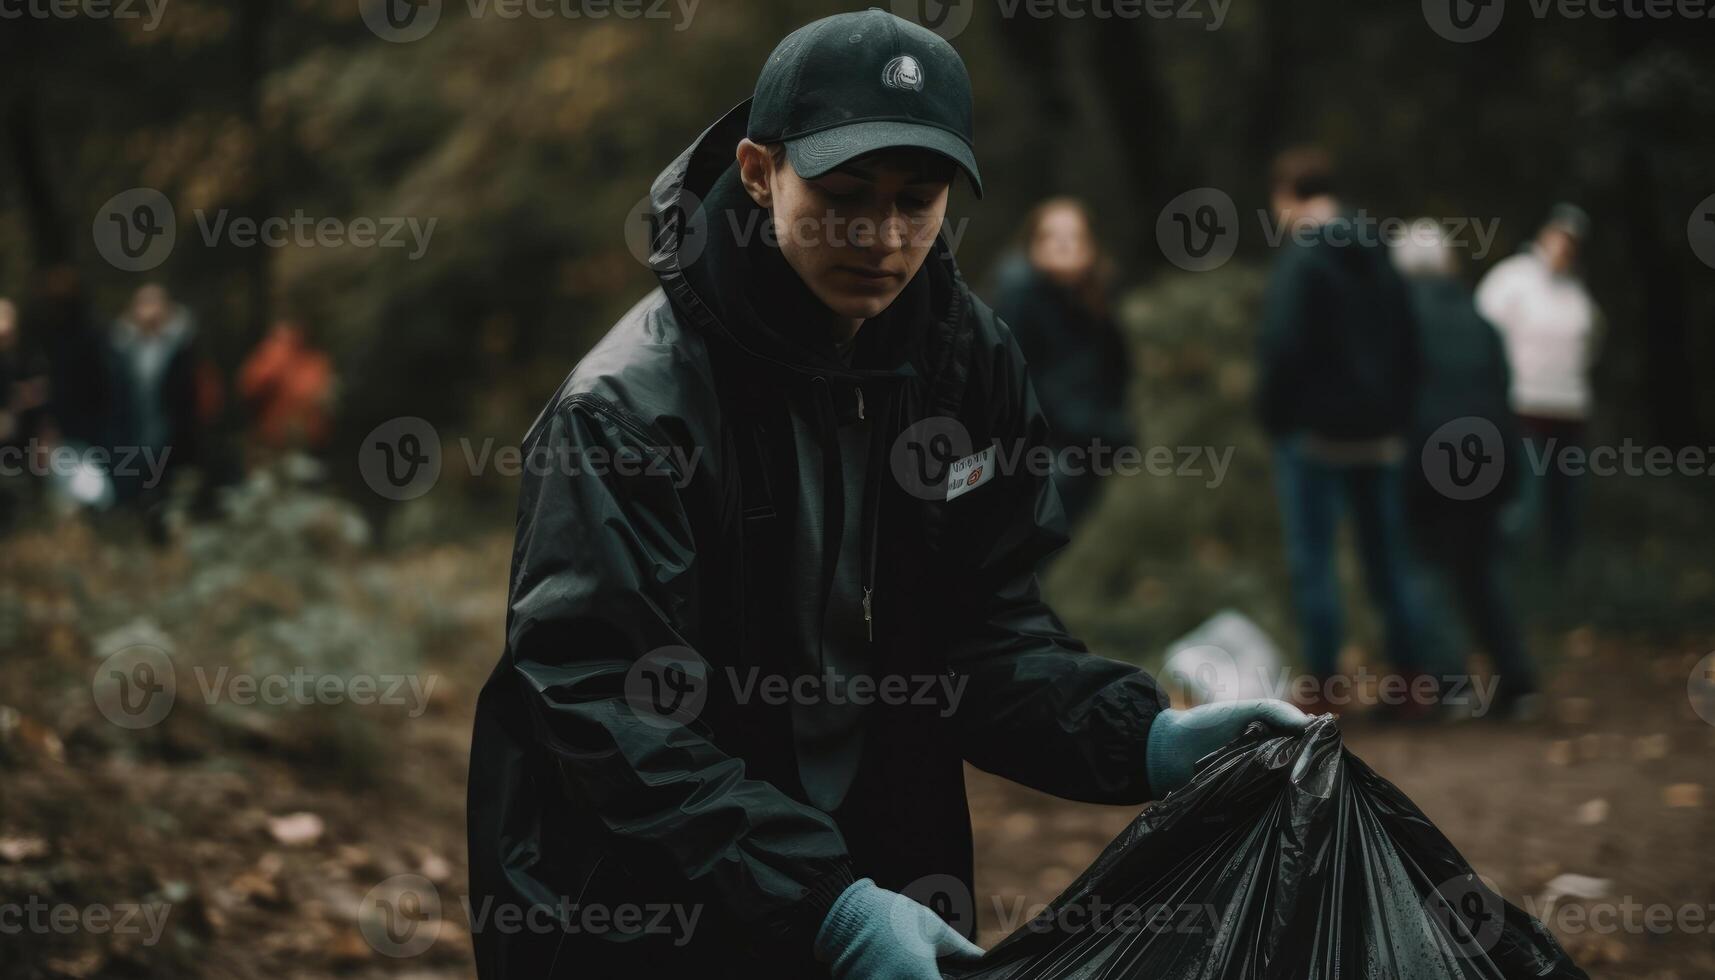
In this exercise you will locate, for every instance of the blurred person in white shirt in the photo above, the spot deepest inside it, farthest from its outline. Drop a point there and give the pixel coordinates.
(1550, 325)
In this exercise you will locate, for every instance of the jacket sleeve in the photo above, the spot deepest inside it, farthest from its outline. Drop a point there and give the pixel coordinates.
(1036, 706)
(603, 573)
(1281, 339)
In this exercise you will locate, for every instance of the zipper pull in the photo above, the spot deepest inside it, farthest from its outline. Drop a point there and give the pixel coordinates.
(860, 402)
(868, 613)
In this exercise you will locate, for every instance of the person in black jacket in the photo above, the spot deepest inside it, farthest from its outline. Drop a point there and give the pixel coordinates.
(1337, 381)
(1467, 439)
(1054, 293)
(780, 472)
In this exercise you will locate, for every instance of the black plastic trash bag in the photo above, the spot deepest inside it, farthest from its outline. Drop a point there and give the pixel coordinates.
(1286, 858)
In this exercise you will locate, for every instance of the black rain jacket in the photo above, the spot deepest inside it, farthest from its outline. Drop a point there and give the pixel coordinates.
(583, 810)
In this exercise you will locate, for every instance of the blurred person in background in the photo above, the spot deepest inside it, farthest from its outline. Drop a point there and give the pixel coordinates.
(80, 376)
(1337, 386)
(1538, 301)
(793, 538)
(287, 386)
(1463, 421)
(156, 410)
(1054, 292)
(23, 393)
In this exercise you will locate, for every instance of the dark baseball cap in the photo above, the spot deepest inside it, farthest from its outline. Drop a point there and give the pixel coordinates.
(843, 86)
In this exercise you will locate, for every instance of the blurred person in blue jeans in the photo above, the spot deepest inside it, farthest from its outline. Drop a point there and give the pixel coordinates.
(1336, 387)
(1055, 294)
(1467, 441)
(1550, 324)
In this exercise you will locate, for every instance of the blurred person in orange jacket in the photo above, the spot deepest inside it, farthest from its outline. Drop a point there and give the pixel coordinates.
(288, 385)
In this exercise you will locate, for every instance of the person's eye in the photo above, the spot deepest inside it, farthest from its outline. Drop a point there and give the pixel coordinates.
(910, 203)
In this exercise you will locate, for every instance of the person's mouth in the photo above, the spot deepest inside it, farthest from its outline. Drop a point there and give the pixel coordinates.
(869, 274)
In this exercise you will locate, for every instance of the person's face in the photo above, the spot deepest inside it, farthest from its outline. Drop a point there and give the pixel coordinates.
(1559, 249)
(149, 308)
(1061, 247)
(858, 234)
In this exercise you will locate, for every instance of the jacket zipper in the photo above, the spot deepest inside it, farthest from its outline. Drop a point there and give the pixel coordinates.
(872, 510)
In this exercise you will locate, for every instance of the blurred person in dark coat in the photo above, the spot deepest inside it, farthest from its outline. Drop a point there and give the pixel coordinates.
(156, 416)
(80, 378)
(1054, 292)
(1538, 301)
(1337, 383)
(23, 393)
(1462, 424)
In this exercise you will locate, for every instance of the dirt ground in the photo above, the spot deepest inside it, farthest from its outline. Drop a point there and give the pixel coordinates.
(268, 834)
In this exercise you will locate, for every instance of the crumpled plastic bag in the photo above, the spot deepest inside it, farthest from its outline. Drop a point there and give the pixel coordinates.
(1286, 858)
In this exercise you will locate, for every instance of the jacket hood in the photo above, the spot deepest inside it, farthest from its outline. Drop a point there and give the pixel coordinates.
(727, 281)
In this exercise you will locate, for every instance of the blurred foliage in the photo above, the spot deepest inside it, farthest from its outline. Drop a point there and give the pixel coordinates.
(529, 141)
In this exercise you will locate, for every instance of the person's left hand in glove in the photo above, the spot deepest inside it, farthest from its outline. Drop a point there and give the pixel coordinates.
(1177, 739)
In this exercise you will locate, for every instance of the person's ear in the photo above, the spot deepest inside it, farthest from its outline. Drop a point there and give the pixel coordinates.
(756, 171)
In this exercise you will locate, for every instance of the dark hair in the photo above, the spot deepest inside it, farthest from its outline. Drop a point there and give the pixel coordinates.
(1303, 172)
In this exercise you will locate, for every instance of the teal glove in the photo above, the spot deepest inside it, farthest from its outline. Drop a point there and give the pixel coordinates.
(1177, 739)
(872, 932)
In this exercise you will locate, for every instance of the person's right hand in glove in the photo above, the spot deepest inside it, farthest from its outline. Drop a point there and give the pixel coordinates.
(872, 932)
(1177, 739)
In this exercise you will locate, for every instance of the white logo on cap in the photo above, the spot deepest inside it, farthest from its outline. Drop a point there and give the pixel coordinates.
(903, 72)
